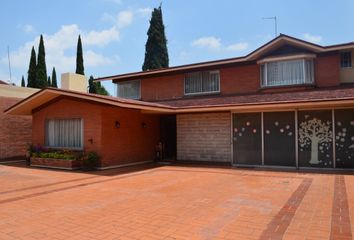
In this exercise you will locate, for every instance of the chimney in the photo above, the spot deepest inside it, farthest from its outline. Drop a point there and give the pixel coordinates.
(74, 82)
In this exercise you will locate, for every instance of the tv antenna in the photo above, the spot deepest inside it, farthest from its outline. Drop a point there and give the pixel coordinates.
(8, 57)
(275, 24)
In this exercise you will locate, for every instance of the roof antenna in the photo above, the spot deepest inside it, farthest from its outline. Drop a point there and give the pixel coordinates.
(8, 57)
(275, 24)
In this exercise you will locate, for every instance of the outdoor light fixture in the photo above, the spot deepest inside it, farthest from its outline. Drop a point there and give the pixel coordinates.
(143, 124)
(117, 124)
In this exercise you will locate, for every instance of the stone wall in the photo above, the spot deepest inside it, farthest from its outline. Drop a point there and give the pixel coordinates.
(204, 137)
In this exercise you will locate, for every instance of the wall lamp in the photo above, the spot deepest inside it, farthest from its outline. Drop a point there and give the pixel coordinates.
(117, 124)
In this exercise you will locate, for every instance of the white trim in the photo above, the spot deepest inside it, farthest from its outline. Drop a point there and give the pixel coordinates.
(286, 58)
(124, 165)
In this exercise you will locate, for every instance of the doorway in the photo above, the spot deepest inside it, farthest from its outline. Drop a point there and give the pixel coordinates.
(168, 136)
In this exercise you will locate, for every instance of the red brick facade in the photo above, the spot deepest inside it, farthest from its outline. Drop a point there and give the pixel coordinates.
(238, 79)
(130, 143)
(15, 132)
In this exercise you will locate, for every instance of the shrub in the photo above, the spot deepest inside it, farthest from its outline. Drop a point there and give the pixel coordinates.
(91, 161)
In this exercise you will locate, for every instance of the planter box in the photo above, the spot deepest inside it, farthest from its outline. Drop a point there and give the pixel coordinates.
(55, 163)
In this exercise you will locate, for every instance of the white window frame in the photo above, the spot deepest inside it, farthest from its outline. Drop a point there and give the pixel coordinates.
(64, 147)
(127, 82)
(351, 59)
(203, 93)
(264, 73)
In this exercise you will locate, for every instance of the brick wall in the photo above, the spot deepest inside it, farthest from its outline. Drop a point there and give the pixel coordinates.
(327, 70)
(204, 137)
(15, 132)
(129, 143)
(67, 108)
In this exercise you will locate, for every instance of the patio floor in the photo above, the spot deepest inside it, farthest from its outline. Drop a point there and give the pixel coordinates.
(174, 202)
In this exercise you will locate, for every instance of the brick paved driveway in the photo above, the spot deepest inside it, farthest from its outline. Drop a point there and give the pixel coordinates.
(174, 202)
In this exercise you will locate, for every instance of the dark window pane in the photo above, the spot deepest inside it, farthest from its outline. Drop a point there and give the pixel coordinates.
(315, 139)
(247, 138)
(279, 138)
(344, 125)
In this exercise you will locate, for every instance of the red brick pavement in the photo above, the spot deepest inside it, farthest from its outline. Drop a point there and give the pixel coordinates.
(174, 202)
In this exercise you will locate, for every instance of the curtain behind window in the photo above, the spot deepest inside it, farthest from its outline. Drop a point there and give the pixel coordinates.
(64, 133)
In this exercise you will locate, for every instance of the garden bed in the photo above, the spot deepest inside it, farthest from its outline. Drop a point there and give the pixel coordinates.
(68, 164)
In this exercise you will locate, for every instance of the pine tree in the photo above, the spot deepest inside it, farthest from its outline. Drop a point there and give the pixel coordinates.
(23, 84)
(156, 53)
(79, 58)
(49, 84)
(54, 78)
(41, 72)
(32, 69)
(96, 87)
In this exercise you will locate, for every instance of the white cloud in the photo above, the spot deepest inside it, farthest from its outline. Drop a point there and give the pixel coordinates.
(124, 18)
(144, 11)
(215, 44)
(61, 49)
(211, 43)
(241, 46)
(312, 38)
(28, 28)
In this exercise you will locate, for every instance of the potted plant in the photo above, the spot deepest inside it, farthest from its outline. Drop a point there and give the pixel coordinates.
(90, 161)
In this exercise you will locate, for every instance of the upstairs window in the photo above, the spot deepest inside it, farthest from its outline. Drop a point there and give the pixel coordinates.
(130, 89)
(64, 133)
(346, 60)
(284, 73)
(202, 82)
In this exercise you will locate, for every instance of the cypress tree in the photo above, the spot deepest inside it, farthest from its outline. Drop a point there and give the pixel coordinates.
(23, 84)
(156, 53)
(31, 78)
(54, 78)
(49, 84)
(79, 58)
(41, 66)
(96, 87)
(92, 88)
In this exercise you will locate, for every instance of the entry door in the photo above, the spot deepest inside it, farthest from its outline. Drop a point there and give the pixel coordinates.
(247, 138)
(279, 138)
(168, 136)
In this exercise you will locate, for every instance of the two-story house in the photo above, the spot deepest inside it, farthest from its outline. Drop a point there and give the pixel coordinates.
(289, 103)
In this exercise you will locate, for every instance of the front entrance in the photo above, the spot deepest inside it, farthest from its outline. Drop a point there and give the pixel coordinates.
(325, 138)
(168, 136)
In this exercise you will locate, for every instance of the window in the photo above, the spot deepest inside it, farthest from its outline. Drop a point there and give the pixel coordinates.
(64, 133)
(346, 59)
(290, 72)
(201, 82)
(130, 89)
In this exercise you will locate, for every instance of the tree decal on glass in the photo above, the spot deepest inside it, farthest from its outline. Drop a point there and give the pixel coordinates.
(316, 133)
(344, 138)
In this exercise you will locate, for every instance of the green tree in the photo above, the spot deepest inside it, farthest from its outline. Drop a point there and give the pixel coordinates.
(41, 73)
(79, 58)
(32, 69)
(49, 84)
(156, 53)
(96, 87)
(54, 78)
(23, 84)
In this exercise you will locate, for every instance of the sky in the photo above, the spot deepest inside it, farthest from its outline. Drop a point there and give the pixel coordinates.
(113, 32)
